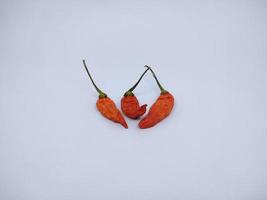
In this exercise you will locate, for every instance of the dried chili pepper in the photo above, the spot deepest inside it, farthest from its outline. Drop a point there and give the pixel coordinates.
(129, 103)
(105, 105)
(160, 109)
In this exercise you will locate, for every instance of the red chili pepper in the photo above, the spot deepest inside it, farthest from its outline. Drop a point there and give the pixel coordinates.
(160, 109)
(129, 103)
(106, 106)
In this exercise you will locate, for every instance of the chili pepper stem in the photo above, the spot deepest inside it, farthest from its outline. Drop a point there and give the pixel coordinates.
(162, 90)
(101, 94)
(130, 91)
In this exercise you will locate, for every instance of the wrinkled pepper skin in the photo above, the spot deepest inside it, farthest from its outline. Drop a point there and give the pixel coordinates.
(109, 110)
(131, 108)
(158, 111)
(105, 105)
(129, 103)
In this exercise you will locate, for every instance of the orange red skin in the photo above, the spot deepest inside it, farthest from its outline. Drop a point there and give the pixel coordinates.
(131, 108)
(109, 110)
(158, 111)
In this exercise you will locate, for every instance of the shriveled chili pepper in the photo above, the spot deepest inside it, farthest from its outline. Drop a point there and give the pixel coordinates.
(129, 103)
(105, 105)
(160, 109)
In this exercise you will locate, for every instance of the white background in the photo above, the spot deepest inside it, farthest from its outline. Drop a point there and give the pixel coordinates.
(211, 55)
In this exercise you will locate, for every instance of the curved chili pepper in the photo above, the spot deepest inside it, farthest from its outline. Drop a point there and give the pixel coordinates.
(160, 109)
(106, 106)
(129, 103)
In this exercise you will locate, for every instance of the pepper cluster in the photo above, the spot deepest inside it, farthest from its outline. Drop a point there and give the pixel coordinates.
(130, 105)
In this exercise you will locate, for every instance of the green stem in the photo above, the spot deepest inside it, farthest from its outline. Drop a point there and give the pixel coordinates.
(101, 94)
(130, 91)
(155, 77)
